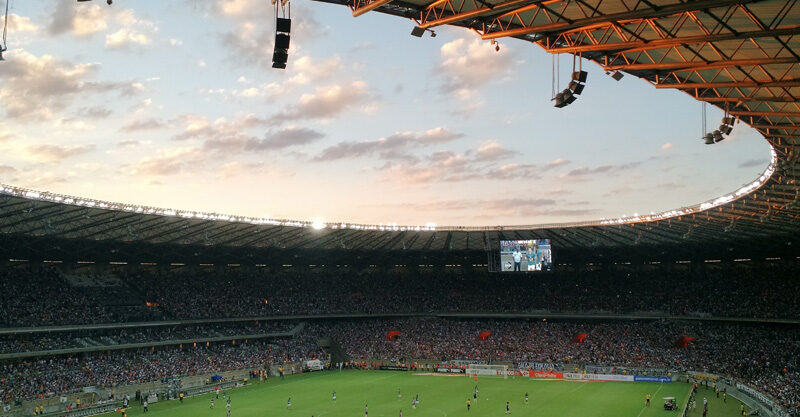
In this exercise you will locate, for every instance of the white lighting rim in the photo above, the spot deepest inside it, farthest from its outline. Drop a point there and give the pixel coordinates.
(319, 224)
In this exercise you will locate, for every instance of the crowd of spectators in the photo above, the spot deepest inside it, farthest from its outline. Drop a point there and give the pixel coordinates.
(716, 291)
(43, 297)
(766, 357)
(35, 342)
(47, 377)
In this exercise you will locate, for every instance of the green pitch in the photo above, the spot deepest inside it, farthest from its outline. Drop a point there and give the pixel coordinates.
(439, 396)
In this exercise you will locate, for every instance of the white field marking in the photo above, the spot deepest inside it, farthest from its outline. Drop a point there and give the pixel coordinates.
(654, 395)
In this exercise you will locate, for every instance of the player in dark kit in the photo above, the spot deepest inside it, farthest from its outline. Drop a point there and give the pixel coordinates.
(508, 408)
(468, 404)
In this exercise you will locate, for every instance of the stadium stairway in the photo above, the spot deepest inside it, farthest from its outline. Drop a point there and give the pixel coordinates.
(332, 348)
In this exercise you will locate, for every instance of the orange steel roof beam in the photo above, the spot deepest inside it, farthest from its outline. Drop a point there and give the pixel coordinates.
(766, 113)
(649, 13)
(699, 66)
(480, 11)
(639, 46)
(733, 84)
(370, 6)
(778, 127)
(746, 99)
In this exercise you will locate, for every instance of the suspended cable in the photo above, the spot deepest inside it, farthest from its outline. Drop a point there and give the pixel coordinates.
(4, 46)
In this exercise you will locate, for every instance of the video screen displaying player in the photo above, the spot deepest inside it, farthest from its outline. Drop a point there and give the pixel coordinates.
(526, 255)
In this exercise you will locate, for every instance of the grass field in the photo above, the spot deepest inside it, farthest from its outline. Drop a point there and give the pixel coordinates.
(440, 396)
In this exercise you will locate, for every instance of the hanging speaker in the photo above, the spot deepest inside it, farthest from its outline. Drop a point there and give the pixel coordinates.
(281, 41)
(283, 25)
(576, 87)
(579, 76)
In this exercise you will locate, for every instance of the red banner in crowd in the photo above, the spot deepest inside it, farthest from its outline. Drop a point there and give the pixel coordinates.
(484, 335)
(392, 334)
(683, 342)
(580, 338)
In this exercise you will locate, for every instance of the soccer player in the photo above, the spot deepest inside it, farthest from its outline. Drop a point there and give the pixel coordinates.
(366, 410)
(647, 400)
(526, 398)
(289, 402)
(468, 404)
(725, 397)
(399, 395)
(217, 390)
(212, 403)
(334, 396)
(508, 408)
(144, 404)
(401, 413)
(475, 394)
(413, 404)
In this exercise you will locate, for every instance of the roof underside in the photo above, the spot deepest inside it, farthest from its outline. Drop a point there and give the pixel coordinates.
(739, 55)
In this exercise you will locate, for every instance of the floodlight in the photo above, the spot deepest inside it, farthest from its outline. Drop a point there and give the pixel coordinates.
(617, 75)
(726, 129)
(709, 139)
(728, 120)
(717, 136)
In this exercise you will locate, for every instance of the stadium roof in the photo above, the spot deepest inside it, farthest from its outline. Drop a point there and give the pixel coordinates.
(738, 55)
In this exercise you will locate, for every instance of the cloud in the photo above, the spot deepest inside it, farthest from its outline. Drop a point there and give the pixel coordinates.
(79, 19)
(467, 65)
(7, 170)
(390, 147)
(758, 162)
(492, 151)
(326, 102)
(556, 163)
(284, 138)
(166, 162)
(604, 169)
(55, 153)
(96, 112)
(17, 23)
(125, 143)
(513, 171)
(143, 124)
(35, 88)
(234, 141)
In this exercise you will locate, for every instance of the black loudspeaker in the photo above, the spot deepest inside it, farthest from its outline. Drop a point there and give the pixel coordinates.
(280, 57)
(417, 31)
(281, 53)
(283, 25)
(579, 76)
(576, 87)
(281, 41)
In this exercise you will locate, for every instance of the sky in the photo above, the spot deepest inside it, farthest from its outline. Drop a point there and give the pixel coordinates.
(174, 104)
